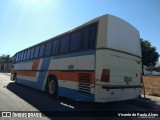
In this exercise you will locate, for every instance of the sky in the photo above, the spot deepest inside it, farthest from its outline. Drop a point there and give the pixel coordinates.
(24, 23)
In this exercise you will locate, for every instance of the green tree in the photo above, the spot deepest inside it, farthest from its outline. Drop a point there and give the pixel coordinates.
(5, 59)
(149, 54)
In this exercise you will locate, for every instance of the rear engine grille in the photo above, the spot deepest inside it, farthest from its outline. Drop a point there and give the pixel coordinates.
(84, 83)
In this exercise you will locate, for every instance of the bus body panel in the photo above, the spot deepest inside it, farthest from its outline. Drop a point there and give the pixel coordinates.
(119, 53)
(111, 95)
(68, 74)
(73, 63)
(68, 77)
(122, 36)
(120, 65)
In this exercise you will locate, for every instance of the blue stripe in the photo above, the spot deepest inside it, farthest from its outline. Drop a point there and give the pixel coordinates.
(27, 83)
(74, 54)
(75, 94)
(42, 74)
(65, 92)
(41, 77)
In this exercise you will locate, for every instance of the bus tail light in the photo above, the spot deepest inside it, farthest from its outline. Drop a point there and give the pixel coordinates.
(105, 75)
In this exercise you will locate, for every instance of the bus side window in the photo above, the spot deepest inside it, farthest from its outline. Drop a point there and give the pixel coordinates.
(36, 52)
(75, 41)
(22, 54)
(48, 49)
(25, 54)
(28, 54)
(85, 41)
(65, 44)
(17, 57)
(41, 53)
(55, 48)
(93, 34)
(32, 53)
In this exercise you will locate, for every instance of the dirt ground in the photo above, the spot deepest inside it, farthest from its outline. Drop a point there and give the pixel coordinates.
(152, 85)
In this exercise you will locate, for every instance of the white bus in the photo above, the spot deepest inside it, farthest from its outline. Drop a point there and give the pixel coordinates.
(99, 61)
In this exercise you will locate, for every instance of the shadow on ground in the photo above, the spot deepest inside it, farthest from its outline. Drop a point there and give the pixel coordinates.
(51, 106)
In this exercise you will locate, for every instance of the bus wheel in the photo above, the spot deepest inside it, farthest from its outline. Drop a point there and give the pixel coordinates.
(15, 78)
(52, 88)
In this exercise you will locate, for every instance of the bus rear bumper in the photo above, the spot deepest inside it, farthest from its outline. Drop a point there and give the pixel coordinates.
(116, 93)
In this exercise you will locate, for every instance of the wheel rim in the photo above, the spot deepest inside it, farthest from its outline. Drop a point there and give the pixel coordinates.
(52, 87)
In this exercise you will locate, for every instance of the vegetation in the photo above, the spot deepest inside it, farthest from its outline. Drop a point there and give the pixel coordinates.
(149, 54)
(5, 59)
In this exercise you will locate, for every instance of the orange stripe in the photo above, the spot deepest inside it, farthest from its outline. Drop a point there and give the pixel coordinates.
(27, 73)
(61, 75)
(35, 64)
(70, 76)
(30, 73)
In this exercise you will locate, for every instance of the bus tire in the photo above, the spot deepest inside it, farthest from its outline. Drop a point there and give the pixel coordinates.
(15, 78)
(52, 87)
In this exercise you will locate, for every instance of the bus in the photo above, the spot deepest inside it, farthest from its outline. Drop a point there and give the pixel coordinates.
(98, 61)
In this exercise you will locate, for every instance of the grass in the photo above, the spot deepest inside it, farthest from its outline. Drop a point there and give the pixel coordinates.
(152, 85)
